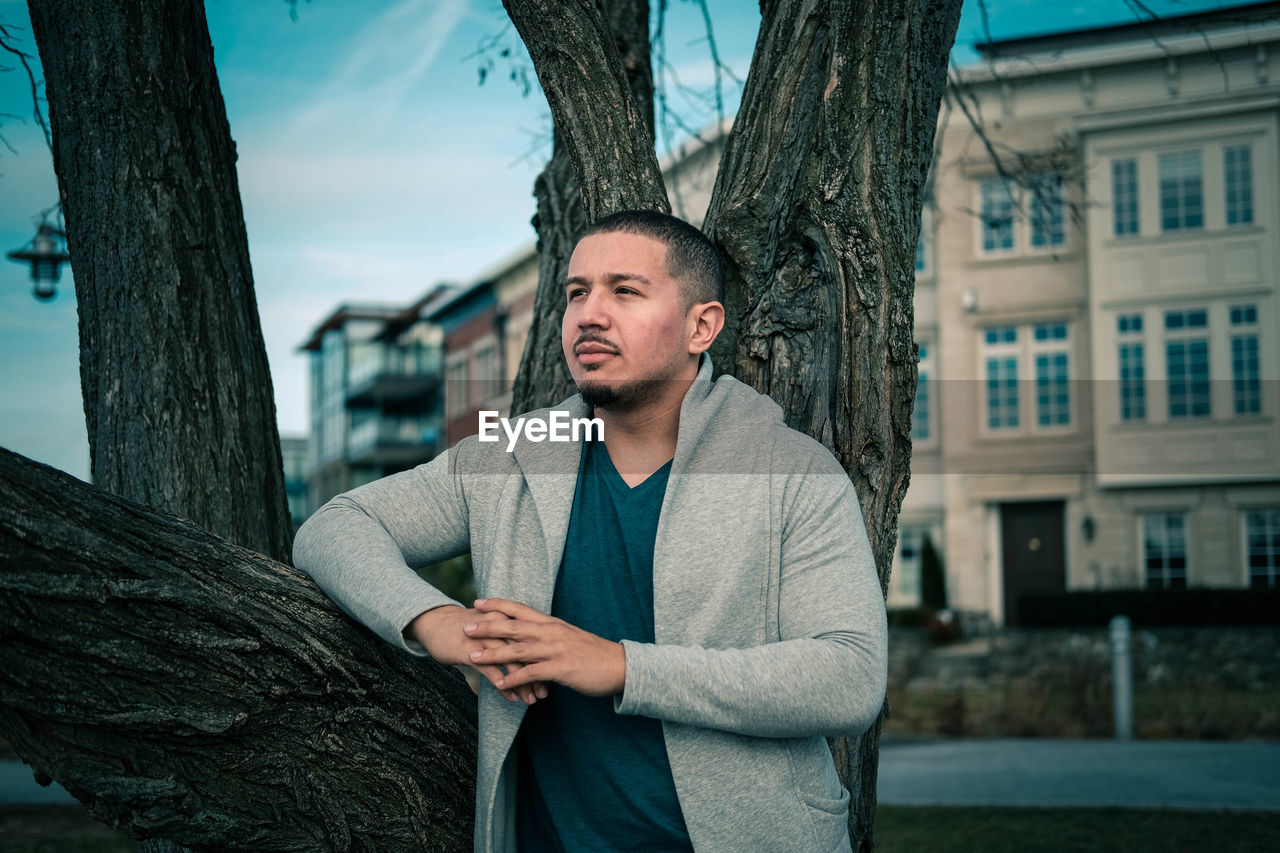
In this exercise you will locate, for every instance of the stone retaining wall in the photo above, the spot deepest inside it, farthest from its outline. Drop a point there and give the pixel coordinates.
(1233, 658)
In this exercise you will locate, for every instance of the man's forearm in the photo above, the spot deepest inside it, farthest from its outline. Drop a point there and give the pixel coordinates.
(829, 686)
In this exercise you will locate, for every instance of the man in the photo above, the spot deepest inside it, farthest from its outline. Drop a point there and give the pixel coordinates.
(673, 619)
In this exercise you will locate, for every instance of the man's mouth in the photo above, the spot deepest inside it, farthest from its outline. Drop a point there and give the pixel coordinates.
(592, 352)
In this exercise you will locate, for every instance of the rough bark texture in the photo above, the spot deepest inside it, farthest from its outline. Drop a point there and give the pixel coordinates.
(177, 393)
(597, 118)
(543, 378)
(209, 695)
(817, 209)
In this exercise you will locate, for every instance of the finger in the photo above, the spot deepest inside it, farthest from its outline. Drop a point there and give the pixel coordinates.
(508, 654)
(506, 629)
(514, 609)
(526, 675)
(527, 694)
(494, 675)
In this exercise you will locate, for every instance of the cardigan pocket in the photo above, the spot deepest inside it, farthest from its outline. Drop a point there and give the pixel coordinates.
(818, 788)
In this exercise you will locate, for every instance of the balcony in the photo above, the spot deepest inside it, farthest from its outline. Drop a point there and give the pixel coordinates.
(393, 442)
(381, 374)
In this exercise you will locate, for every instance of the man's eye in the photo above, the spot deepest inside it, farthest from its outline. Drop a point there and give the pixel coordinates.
(576, 292)
(626, 290)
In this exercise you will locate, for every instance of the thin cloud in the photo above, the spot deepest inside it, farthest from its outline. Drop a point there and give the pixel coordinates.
(389, 57)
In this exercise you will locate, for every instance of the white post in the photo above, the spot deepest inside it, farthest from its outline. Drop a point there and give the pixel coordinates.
(1121, 678)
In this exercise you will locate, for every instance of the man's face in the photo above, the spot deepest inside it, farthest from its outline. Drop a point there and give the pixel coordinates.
(624, 330)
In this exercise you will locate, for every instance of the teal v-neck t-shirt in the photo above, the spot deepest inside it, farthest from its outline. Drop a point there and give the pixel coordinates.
(591, 779)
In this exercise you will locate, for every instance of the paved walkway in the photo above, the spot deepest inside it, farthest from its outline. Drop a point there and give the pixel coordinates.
(1134, 774)
(1137, 774)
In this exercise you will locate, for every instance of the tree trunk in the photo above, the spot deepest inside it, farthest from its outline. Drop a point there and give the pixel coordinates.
(816, 211)
(206, 694)
(543, 378)
(177, 393)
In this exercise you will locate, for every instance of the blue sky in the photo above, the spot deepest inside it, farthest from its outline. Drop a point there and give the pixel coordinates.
(372, 165)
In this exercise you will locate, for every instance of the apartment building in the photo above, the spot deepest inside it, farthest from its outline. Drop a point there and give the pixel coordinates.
(1097, 317)
(375, 402)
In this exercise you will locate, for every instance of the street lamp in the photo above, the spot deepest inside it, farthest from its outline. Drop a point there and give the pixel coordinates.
(46, 254)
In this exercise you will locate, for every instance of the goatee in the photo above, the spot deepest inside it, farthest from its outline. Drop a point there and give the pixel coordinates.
(620, 398)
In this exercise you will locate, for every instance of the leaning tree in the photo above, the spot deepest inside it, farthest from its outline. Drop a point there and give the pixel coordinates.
(157, 655)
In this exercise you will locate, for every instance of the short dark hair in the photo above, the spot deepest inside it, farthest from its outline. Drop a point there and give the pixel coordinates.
(692, 259)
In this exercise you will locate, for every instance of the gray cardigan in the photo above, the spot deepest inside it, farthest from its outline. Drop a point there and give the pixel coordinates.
(769, 619)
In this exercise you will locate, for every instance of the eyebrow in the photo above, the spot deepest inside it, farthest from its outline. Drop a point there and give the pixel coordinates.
(611, 278)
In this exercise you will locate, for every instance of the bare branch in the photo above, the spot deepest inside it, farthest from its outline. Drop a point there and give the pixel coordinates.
(7, 41)
(591, 101)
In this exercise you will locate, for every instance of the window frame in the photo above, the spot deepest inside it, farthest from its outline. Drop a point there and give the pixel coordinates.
(1182, 206)
(997, 251)
(1245, 189)
(1273, 552)
(1186, 548)
(1186, 335)
(926, 378)
(1127, 339)
(1051, 347)
(456, 405)
(1023, 214)
(1246, 328)
(1132, 160)
(1000, 350)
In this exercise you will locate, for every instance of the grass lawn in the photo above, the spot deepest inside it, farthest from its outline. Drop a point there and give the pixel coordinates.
(1029, 830)
(57, 829)
(68, 829)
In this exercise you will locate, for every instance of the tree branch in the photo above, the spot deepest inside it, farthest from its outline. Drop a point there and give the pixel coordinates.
(596, 115)
(186, 688)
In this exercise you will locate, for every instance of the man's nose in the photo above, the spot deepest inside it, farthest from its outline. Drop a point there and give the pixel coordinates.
(594, 310)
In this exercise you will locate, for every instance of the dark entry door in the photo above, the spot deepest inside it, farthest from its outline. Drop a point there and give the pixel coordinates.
(1034, 559)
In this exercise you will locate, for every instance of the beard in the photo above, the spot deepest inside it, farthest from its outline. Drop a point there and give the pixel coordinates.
(626, 397)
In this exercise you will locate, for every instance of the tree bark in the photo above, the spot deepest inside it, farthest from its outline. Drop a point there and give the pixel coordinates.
(177, 393)
(543, 378)
(206, 694)
(816, 209)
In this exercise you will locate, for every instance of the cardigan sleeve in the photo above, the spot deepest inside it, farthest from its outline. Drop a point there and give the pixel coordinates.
(361, 547)
(827, 674)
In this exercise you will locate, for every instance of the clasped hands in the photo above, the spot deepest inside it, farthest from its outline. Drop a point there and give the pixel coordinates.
(520, 650)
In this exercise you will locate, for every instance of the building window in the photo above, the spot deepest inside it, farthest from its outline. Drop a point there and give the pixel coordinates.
(1181, 193)
(1187, 363)
(1053, 376)
(1237, 167)
(1164, 550)
(457, 389)
(910, 551)
(997, 216)
(1246, 378)
(488, 384)
(920, 413)
(1133, 389)
(1124, 196)
(1262, 546)
(1047, 226)
(1001, 359)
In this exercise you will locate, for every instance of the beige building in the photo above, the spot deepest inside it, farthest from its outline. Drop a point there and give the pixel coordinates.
(1097, 317)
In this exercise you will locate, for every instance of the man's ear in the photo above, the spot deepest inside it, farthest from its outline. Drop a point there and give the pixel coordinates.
(706, 319)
